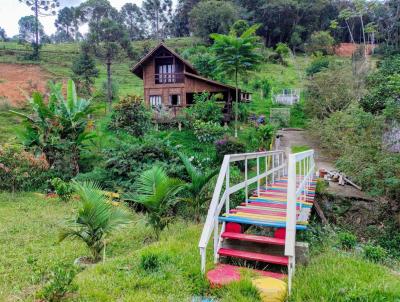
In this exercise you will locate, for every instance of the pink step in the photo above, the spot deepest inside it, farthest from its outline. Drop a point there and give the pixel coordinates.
(281, 260)
(253, 238)
(224, 274)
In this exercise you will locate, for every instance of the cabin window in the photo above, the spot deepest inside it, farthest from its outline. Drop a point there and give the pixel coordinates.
(156, 101)
(165, 70)
(175, 99)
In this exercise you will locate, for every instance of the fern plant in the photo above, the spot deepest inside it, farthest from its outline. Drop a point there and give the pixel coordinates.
(96, 219)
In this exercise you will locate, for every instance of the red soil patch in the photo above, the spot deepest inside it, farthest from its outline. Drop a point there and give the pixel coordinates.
(347, 49)
(17, 82)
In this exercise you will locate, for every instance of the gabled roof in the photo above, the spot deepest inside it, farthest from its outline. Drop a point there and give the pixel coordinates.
(138, 67)
(196, 76)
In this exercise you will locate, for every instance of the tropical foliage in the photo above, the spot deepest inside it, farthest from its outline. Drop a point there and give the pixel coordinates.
(56, 128)
(196, 191)
(131, 115)
(236, 55)
(96, 219)
(157, 193)
(21, 170)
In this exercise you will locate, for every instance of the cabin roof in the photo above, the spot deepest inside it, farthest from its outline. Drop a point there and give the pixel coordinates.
(198, 77)
(137, 69)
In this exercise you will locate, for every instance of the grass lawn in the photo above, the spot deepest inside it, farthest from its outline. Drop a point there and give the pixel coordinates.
(30, 224)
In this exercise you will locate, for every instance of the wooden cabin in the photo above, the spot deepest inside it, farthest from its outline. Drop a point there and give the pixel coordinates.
(170, 82)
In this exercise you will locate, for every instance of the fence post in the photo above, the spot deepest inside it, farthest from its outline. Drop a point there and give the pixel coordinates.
(291, 219)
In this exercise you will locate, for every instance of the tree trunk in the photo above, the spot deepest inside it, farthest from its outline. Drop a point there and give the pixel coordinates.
(109, 90)
(351, 34)
(236, 103)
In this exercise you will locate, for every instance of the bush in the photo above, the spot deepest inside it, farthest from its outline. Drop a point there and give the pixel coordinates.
(347, 240)
(264, 86)
(260, 137)
(126, 161)
(21, 170)
(321, 41)
(63, 189)
(374, 253)
(282, 51)
(228, 145)
(114, 90)
(329, 91)
(383, 86)
(150, 262)
(207, 132)
(131, 115)
(317, 65)
(205, 108)
(59, 282)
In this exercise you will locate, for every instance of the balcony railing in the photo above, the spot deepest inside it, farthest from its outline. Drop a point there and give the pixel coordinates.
(169, 78)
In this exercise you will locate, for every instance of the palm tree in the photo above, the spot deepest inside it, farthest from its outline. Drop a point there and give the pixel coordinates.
(236, 55)
(158, 194)
(196, 189)
(96, 219)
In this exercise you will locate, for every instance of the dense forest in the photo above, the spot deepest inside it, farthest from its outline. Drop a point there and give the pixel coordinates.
(292, 22)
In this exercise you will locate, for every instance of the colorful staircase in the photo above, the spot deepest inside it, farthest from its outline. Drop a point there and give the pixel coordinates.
(265, 208)
(280, 209)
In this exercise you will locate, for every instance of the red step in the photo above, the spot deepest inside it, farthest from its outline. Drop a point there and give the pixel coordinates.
(253, 238)
(281, 260)
(224, 274)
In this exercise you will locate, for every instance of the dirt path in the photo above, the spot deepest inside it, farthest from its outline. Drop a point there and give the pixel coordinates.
(18, 81)
(292, 138)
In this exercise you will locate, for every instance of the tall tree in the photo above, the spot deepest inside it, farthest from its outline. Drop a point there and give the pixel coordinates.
(93, 11)
(40, 8)
(157, 13)
(28, 29)
(236, 56)
(84, 71)
(108, 39)
(66, 22)
(212, 16)
(180, 20)
(133, 19)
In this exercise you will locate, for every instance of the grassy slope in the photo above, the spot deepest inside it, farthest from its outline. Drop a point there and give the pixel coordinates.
(331, 276)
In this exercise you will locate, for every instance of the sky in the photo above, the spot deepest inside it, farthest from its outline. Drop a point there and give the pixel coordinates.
(12, 10)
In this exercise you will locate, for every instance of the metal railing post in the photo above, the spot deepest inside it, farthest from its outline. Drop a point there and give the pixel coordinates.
(227, 190)
(258, 173)
(245, 179)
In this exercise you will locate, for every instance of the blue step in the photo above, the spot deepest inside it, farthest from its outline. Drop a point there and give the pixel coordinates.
(259, 222)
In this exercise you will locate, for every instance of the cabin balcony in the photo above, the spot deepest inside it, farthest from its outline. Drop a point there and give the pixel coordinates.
(169, 78)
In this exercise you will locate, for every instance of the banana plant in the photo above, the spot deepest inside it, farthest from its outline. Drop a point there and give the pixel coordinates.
(57, 127)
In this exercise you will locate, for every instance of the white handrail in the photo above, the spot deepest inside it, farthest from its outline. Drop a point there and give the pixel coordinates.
(301, 168)
(218, 201)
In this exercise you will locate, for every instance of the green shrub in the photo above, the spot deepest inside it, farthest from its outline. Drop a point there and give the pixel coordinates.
(374, 253)
(126, 161)
(59, 283)
(321, 41)
(317, 65)
(263, 86)
(228, 145)
(21, 170)
(205, 108)
(282, 51)
(243, 112)
(131, 115)
(62, 188)
(114, 90)
(347, 240)
(150, 262)
(207, 132)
